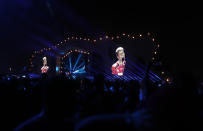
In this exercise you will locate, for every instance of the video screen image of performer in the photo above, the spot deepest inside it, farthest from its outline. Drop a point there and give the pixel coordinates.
(119, 66)
(44, 68)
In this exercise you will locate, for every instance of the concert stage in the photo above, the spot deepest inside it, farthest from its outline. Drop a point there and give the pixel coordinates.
(78, 56)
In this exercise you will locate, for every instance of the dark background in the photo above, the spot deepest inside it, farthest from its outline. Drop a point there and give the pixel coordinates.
(27, 25)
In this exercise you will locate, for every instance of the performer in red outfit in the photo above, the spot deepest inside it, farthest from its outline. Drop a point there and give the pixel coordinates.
(44, 68)
(119, 66)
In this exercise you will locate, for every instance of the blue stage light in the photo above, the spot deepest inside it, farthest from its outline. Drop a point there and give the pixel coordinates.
(62, 53)
(76, 67)
(70, 64)
(141, 96)
(77, 61)
(57, 68)
(111, 89)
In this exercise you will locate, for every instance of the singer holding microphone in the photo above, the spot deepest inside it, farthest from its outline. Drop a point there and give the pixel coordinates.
(44, 68)
(119, 66)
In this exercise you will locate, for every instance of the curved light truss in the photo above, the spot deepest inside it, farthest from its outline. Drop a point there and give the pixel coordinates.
(100, 38)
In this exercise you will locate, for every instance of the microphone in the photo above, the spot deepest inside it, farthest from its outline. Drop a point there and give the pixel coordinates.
(123, 60)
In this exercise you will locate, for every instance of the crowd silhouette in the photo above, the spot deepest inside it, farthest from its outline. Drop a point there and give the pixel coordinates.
(59, 103)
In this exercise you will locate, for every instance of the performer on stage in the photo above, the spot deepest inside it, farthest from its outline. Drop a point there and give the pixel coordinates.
(119, 66)
(44, 68)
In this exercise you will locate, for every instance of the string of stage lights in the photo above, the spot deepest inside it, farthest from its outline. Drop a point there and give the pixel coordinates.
(107, 37)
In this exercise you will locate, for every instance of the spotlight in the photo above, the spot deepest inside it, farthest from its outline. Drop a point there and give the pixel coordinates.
(24, 76)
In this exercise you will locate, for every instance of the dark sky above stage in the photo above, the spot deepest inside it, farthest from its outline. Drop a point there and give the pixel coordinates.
(26, 25)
